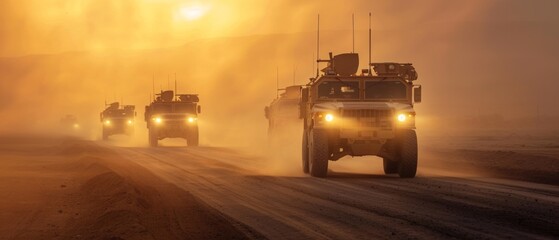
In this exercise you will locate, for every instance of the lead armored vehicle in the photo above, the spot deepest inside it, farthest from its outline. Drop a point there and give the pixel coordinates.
(117, 119)
(350, 114)
(173, 116)
(284, 110)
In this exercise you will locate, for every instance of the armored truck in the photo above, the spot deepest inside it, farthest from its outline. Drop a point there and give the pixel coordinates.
(283, 110)
(117, 119)
(173, 116)
(351, 114)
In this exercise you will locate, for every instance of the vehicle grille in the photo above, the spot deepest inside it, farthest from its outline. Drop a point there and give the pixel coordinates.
(370, 118)
(367, 113)
(174, 117)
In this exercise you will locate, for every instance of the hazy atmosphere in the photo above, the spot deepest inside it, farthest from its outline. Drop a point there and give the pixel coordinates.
(474, 157)
(477, 60)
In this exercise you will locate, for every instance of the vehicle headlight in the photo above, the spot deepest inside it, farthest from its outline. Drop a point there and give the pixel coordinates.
(191, 119)
(402, 117)
(157, 120)
(407, 118)
(329, 117)
(129, 122)
(107, 122)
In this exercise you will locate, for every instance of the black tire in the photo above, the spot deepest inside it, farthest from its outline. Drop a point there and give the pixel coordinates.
(319, 154)
(305, 152)
(390, 166)
(105, 135)
(192, 139)
(408, 154)
(153, 141)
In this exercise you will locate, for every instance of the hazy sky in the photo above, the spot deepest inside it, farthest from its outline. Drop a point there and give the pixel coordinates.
(52, 26)
(478, 57)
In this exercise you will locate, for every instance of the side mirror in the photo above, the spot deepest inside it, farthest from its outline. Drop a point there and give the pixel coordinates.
(199, 109)
(303, 103)
(267, 112)
(146, 114)
(417, 94)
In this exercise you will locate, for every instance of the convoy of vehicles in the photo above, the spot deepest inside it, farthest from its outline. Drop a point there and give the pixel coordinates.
(173, 116)
(117, 119)
(344, 113)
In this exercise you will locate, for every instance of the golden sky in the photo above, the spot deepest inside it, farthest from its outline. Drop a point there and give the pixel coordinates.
(68, 56)
(52, 26)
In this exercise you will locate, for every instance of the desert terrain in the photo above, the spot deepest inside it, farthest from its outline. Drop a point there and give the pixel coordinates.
(69, 188)
(488, 165)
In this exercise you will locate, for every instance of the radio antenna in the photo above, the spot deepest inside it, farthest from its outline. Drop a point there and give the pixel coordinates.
(353, 31)
(277, 81)
(370, 43)
(153, 85)
(317, 44)
(175, 86)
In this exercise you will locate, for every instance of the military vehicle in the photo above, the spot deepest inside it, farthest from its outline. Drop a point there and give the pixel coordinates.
(70, 122)
(350, 114)
(284, 109)
(118, 119)
(173, 116)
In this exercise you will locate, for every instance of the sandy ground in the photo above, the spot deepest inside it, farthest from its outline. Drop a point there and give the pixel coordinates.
(65, 188)
(55, 188)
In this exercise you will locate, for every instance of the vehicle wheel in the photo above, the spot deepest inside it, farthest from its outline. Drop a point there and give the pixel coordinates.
(152, 138)
(408, 154)
(192, 138)
(318, 159)
(305, 151)
(105, 135)
(390, 166)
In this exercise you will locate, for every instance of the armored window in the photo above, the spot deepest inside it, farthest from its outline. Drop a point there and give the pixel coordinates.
(385, 90)
(338, 90)
(163, 108)
(185, 108)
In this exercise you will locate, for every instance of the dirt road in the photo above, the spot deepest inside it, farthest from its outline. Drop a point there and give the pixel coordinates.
(356, 205)
(218, 193)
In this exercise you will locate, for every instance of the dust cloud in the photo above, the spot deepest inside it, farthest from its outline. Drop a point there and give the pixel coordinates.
(482, 63)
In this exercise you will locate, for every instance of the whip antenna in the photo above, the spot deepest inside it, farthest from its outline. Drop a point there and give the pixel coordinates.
(353, 31)
(317, 44)
(370, 43)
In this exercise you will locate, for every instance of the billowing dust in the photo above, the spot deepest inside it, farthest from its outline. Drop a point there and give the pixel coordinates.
(483, 64)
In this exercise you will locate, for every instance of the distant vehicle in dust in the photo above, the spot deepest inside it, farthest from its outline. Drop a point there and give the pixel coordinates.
(173, 116)
(118, 119)
(346, 113)
(283, 110)
(70, 122)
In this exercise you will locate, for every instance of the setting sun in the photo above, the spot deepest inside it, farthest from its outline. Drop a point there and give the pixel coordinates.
(192, 12)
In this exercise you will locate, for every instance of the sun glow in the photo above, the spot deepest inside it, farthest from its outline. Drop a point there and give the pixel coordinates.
(192, 12)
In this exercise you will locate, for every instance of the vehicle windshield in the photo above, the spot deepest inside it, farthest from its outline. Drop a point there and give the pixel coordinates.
(385, 90)
(118, 113)
(175, 108)
(338, 90)
(185, 108)
(163, 108)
